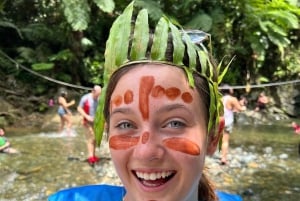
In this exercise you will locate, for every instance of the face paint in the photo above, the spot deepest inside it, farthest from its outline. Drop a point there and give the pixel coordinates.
(145, 137)
(158, 91)
(120, 142)
(128, 97)
(172, 93)
(187, 97)
(146, 85)
(117, 101)
(183, 145)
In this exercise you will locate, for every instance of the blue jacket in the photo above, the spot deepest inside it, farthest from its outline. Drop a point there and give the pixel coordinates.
(110, 193)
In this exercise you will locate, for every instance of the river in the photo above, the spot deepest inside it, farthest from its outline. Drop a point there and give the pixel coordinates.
(264, 164)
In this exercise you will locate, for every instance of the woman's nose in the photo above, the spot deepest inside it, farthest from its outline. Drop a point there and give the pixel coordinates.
(149, 148)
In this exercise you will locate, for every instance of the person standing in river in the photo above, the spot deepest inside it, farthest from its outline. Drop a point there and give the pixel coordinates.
(87, 108)
(64, 112)
(231, 105)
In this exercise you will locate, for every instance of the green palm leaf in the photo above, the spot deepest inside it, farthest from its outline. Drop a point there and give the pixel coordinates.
(159, 47)
(141, 36)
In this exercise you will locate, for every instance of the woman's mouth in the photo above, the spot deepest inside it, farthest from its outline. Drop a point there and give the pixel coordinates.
(154, 179)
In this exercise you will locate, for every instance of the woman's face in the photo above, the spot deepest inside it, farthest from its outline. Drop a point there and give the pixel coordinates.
(157, 134)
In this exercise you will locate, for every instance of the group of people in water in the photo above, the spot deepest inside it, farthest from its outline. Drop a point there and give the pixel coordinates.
(87, 109)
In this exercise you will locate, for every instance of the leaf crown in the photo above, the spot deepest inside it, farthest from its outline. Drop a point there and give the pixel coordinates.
(129, 42)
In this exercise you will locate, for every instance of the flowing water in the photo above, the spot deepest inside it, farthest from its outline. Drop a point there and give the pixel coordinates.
(278, 178)
(268, 168)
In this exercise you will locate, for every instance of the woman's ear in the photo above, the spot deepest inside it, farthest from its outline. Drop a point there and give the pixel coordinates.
(213, 139)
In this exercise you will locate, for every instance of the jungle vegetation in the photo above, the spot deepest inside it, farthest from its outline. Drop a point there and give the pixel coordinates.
(65, 39)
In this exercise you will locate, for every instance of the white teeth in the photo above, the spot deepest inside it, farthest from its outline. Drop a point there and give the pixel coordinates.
(153, 176)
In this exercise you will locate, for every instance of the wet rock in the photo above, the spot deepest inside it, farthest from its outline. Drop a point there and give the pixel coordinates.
(28, 171)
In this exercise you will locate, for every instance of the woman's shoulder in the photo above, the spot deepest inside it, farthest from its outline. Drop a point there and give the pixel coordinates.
(99, 192)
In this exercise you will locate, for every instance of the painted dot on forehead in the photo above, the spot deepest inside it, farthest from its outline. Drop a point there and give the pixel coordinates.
(158, 91)
(146, 85)
(117, 101)
(128, 96)
(187, 97)
(172, 93)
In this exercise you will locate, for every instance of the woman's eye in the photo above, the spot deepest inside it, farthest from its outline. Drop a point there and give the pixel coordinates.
(175, 124)
(124, 125)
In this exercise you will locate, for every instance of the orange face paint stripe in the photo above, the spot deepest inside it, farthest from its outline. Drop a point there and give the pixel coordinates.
(145, 137)
(146, 85)
(121, 142)
(183, 145)
(187, 97)
(172, 93)
(128, 97)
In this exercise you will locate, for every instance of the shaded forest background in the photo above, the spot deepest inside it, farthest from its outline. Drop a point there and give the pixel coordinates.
(64, 40)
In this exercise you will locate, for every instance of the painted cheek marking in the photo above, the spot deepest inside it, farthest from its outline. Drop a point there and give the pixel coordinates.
(183, 145)
(172, 93)
(117, 101)
(145, 137)
(121, 142)
(146, 85)
(187, 97)
(128, 97)
(158, 91)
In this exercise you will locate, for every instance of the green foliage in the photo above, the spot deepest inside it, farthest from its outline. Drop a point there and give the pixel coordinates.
(43, 107)
(64, 77)
(201, 21)
(94, 67)
(26, 54)
(38, 32)
(62, 55)
(7, 24)
(153, 8)
(274, 19)
(42, 66)
(39, 89)
(77, 13)
(105, 5)
(160, 39)
(71, 34)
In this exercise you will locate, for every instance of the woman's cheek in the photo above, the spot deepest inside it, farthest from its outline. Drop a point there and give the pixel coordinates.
(122, 142)
(182, 145)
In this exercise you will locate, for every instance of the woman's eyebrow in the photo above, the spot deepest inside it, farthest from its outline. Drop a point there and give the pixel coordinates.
(168, 108)
(122, 111)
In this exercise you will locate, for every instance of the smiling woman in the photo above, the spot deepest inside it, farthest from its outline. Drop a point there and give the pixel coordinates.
(161, 109)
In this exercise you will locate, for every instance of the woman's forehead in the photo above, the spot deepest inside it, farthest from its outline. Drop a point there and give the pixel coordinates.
(162, 74)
